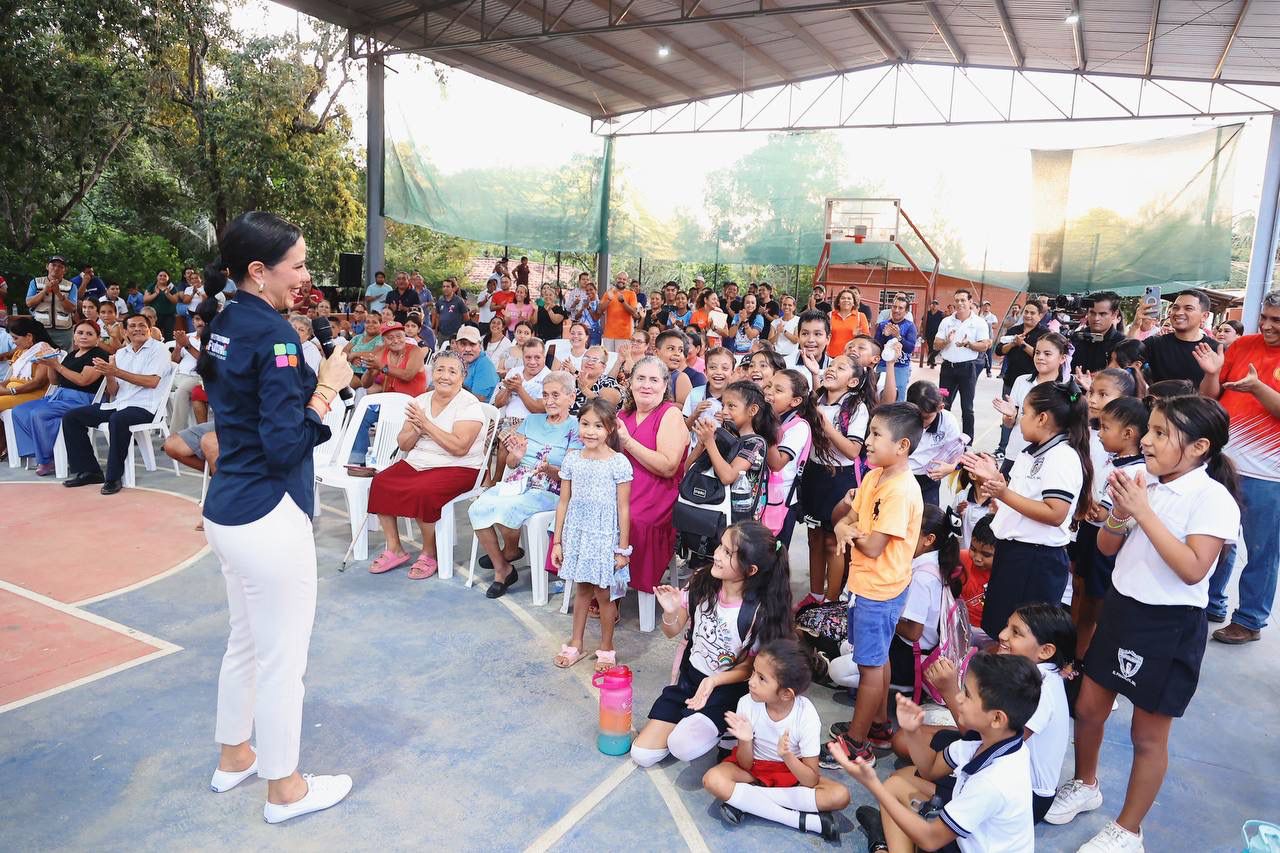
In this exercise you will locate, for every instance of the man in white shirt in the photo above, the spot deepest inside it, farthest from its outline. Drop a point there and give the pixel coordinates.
(133, 376)
(961, 340)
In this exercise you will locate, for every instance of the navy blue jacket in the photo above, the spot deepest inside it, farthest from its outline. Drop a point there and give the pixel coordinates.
(259, 393)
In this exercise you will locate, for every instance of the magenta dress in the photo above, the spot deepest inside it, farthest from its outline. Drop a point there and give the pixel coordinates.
(653, 539)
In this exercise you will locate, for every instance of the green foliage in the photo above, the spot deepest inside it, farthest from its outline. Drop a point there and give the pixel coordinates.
(116, 255)
(435, 255)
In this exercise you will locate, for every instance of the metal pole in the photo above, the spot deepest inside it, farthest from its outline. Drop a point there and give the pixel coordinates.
(606, 182)
(557, 268)
(375, 227)
(1262, 259)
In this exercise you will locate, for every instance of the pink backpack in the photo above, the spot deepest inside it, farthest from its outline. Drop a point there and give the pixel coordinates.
(955, 643)
(777, 504)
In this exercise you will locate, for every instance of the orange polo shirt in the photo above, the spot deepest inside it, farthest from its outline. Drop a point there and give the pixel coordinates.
(892, 507)
(844, 330)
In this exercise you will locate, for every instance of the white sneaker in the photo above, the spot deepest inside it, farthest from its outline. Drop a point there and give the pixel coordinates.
(225, 780)
(1114, 838)
(1073, 798)
(322, 792)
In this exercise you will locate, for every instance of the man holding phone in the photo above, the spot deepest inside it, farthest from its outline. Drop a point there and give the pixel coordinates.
(620, 310)
(1094, 343)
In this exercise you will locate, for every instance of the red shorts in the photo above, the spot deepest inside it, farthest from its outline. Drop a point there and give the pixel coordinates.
(770, 774)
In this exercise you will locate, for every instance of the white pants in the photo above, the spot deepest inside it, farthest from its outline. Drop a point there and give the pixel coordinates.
(182, 385)
(270, 569)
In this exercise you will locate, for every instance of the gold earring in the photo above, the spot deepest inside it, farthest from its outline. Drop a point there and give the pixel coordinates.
(261, 286)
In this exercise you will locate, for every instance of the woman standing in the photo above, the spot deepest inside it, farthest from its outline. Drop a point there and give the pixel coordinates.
(521, 308)
(847, 322)
(549, 323)
(256, 515)
(652, 434)
(36, 423)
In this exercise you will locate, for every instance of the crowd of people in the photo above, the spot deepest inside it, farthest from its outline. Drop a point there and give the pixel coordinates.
(1088, 547)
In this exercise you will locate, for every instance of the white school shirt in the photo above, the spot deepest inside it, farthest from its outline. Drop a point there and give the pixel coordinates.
(1193, 504)
(796, 362)
(515, 407)
(990, 808)
(972, 330)
(1131, 465)
(924, 599)
(1052, 726)
(783, 346)
(941, 445)
(151, 359)
(802, 725)
(794, 434)
(1048, 470)
(857, 430)
(1017, 394)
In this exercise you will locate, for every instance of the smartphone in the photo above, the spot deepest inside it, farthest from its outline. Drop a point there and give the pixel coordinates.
(1150, 297)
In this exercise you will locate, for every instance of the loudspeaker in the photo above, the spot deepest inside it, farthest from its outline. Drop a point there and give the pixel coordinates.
(350, 269)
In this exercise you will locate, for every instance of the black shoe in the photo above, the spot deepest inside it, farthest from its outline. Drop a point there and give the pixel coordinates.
(872, 827)
(1215, 617)
(111, 487)
(85, 479)
(830, 829)
(486, 563)
(732, 814)
(497, 589)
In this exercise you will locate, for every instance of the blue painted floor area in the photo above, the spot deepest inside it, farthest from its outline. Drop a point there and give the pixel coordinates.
(460, 734)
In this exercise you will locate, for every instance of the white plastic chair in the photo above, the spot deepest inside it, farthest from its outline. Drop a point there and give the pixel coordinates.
(60, 466)
(446, 529)
(323, 454)
(139, 433)
(391, 408)
(10, 438)
(537, 537)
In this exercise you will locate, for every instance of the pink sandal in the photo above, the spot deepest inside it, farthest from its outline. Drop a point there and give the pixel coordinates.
(606, 660)
(387, 561)
(424, 567)
(569, 655)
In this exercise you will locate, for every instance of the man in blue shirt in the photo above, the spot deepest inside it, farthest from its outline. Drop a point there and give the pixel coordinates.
(898, 325)
(375, 295)
(451, 310)
(482, 376)
(88, 285)
(403, 298)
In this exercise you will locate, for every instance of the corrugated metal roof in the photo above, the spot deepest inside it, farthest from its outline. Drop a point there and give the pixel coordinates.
(613, 71)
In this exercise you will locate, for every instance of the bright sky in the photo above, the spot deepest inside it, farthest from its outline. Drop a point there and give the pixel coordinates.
(974, 174)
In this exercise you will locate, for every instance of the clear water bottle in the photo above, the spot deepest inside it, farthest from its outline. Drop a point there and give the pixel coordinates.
(369, 455)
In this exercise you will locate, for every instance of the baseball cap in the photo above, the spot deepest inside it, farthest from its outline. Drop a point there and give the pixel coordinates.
(699, 278)
(392, 327)
(466, 333)
(58, 259)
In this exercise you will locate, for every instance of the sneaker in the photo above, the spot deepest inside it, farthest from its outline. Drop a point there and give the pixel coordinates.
(807, 600)
(839, 729)
(322, 792)
(225, 780)
(1114, 838)
(872, 827)
(1073, 798)
(856, 750)
(880, 735)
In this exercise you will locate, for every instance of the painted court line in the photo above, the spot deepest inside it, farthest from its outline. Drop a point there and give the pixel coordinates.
(684, 821)
(163, 647)
(581, 809)
(190, 561)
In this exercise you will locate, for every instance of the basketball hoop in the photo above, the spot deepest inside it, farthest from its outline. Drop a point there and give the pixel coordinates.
(859, 233)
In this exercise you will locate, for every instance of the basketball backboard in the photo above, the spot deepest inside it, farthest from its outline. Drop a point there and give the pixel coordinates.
(862, 220)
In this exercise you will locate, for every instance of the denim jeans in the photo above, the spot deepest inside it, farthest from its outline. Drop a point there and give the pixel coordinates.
(1261, 505)
(901, 378)
(361, 445)
(1218, 583)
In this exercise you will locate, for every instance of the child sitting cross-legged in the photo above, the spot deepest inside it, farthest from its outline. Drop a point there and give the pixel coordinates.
(989, 809)
(773, 771)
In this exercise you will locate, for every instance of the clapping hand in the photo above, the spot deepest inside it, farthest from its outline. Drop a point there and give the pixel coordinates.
(1128, 496)
(847, 535)
(911, 715)
(416, 416)
(1005, 406)
(784, 746)
(706, 431)
(739, 726)
(942, 675)
(1250, 384)
(1083, 378)
(624, 435)
(981, 466)
(668, 598)
(859, 769)
(1209, 359)
(993, 489)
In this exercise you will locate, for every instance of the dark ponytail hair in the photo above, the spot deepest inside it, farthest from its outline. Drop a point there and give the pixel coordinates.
(1194, 417)
(864, 394)
(765, 423)
(252, 236)
(751, 545)
(928, 399)
(792, 667)
(1049, 623)
(1064, 402)
(942, 526)
(1122, 379)
(821, 447)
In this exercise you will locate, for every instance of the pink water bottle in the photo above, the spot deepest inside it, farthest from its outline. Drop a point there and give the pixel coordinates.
(615, 710)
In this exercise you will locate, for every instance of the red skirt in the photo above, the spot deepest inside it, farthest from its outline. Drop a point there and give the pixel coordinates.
(770, 774)
(406, 492)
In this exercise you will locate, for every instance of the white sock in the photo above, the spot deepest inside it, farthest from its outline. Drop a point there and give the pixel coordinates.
(757, 801)
(647, 757)
(798, 797)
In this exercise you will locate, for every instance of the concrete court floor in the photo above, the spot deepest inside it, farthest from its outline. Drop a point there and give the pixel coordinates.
(460, 734)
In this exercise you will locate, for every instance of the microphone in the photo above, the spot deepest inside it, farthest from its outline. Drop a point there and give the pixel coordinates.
(323, 331)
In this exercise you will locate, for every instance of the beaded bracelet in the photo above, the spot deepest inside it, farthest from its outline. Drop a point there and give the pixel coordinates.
(1120, 526)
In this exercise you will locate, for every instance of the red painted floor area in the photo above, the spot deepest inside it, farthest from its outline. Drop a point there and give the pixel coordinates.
(42, 648)
(73, 544)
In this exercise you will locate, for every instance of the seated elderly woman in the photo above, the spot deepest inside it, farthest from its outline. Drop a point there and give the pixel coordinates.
(534, 450)
(27, 381)
(442, 433)
(73, 382)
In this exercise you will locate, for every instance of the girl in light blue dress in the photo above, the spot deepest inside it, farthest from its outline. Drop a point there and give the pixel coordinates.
(593, 529)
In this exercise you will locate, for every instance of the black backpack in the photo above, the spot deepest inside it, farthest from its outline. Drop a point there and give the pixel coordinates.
(697, 516)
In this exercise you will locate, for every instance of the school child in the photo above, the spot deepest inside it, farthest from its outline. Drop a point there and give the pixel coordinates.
(704, 401)
(989, 808)
(1050, 356)
(844, 400)
(1166, 529)
(747, 412)
(969, 506)
(936, 562)
(595, 498)
(977, 560)
(941, 443)
(810, 357)
(1121, 427)
(732, 607)
(1035, 507)
(1127, 356)
(773, 771)
(879, 523)
(761, 365)
(800, 435)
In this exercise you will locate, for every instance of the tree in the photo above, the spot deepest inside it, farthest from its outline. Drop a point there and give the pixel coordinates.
(75, 88)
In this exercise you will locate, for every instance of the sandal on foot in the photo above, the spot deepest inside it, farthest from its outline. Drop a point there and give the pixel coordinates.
(423, 568)
(606, 660)
(486, 563)
(569, 655)
(387, 561)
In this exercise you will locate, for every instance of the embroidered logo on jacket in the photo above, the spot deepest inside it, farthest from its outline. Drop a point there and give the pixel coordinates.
(1130, 663)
